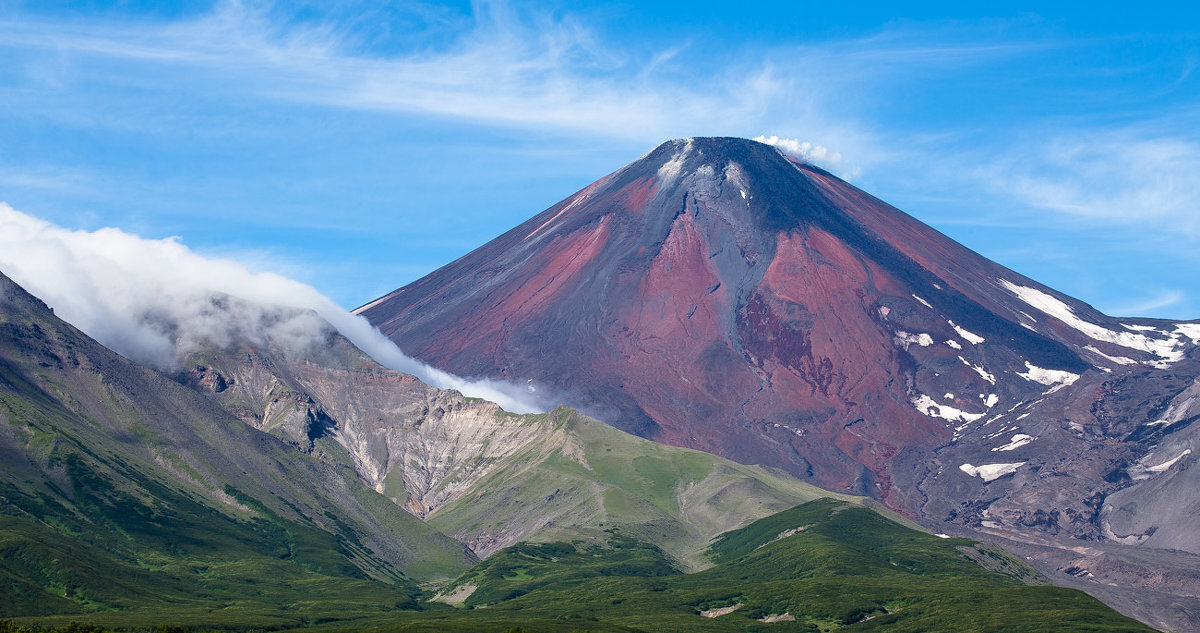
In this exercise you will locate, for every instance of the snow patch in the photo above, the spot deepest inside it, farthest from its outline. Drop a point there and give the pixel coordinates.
(1166, 349)
(1141, 328)
(1169, 463)
(991, 400)
(1048, 377)
(580, 199)
(953, 343)
(905, 339)
(671, 168)
(967, 336)
(1018, 440)
(1190, 330)
(923, 302)
(1120, 360)
(983, 373)
(991, 472)
(931, 408)
(1181, 405)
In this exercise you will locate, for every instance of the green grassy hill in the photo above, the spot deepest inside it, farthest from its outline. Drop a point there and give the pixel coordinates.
(586, 478)
(122, 490)
(822, 566)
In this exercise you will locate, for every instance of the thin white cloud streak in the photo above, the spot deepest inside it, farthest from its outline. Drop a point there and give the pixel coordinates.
(1164, 299)
(505, 71)
(1129, 177)
(520, 70)
(154, 301)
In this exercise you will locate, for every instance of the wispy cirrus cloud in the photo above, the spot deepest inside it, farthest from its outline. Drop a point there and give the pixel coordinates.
(522, 71)
(1010, 122)
(1121, 176)
(1161, 300)
(507, 67)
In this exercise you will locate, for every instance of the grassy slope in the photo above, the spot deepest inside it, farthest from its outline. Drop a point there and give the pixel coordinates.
(586, 477)
(124, 491)
(831, 565)
(846, 568)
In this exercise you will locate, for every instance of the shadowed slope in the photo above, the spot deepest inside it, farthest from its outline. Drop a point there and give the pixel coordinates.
(126, 490)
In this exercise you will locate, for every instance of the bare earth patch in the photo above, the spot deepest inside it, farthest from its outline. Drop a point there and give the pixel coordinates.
(456, 597)
(716, 613)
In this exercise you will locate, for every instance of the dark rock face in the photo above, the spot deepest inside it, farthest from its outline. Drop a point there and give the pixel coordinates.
(718, 295)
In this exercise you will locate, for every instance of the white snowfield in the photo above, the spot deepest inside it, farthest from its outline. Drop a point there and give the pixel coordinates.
(991, 472)
(983, 373)
(1169, 349)
(1120, 360)
(923, 302)
(1048, 377)
(968, 336)
(1018, 440)
(1169, 463)
(905, 339)
(931, 408)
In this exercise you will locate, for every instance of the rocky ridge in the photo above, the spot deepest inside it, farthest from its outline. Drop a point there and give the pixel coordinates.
(475, 471)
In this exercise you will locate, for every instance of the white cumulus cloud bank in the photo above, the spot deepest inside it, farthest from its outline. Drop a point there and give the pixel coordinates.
(155, 300)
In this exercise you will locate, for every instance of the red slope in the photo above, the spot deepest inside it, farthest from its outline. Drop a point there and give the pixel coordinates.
(717, 295)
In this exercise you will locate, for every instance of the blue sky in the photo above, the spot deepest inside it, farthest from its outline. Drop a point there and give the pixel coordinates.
(356, 146)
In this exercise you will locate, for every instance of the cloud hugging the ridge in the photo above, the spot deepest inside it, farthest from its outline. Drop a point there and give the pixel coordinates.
(818, 155)
(154, 300)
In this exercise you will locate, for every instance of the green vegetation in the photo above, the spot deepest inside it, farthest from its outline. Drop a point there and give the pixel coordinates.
(128, 500)
(822, 566)
(130, 560)
(828, 564)
(587, 479)
(526, 567)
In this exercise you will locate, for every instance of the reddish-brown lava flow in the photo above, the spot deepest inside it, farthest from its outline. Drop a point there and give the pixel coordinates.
(717, 295)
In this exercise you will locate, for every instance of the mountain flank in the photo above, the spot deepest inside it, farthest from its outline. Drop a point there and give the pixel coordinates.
(719, 295)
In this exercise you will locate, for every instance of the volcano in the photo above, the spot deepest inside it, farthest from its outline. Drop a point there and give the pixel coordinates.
(718, 294)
